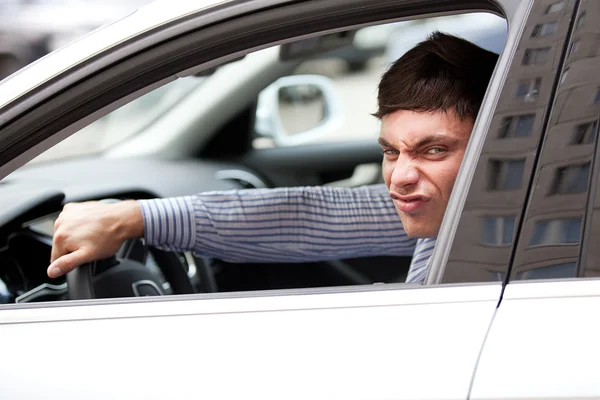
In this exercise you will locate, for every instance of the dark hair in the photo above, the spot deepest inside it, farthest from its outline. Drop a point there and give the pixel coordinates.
(443, 72)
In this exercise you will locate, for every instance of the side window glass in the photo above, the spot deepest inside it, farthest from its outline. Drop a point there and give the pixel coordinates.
(562, 224)
(339, 105)
(498, 192)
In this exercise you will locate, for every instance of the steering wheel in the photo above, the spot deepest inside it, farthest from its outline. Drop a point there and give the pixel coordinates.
(126, 275)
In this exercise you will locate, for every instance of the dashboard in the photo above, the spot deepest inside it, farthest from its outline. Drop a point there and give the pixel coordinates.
(32, 198)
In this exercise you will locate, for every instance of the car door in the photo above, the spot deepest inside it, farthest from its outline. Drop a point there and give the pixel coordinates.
(544, 339)
(401, 341)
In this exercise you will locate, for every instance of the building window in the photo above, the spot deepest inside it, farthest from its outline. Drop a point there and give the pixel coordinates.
(498, 231)
(529, 87)
(558, 271)
(506, 174)
(571, 179)
(585, 133)
(545, 29)
(574, 47)
(581, 21)
(536, 56)
(597, 97)
(517, 126)
(556, 7)
(557, 231)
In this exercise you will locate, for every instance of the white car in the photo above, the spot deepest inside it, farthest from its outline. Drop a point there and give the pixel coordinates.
(506, 311)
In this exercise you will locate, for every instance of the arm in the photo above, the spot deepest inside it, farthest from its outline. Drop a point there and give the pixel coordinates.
(279, 225)
(273, 225)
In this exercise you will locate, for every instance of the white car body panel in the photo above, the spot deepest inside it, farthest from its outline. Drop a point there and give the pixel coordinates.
(354, 345)
(544, 343)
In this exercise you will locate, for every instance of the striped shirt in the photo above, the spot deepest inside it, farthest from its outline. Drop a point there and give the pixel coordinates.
(299, 224)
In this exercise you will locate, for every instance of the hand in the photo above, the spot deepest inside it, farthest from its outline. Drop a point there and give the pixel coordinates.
(89, 231)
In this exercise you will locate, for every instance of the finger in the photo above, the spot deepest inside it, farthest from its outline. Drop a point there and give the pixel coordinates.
(58, 244)
(56, 252)
(66, 263)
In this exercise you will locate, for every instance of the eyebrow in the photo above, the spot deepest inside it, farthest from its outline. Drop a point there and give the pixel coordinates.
(384, 142)
(433, 139)
(423, 142)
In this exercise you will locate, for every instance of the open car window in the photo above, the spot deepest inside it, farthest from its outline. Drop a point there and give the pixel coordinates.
(269, 107)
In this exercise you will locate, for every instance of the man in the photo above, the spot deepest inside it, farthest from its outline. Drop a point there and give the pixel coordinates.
(428, 101)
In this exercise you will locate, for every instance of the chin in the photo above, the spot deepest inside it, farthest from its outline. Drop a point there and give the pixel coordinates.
(420, 225)
(419, 231)
(420, 234)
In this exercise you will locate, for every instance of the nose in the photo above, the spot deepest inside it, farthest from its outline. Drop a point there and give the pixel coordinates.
(405, 173)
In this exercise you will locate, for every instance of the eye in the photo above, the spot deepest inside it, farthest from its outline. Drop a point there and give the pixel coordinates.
(435, 150)
(389, 152)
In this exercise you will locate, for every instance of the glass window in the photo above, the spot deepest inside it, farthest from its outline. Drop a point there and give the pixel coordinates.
(585, 133)
(506, 174)
(545, 29)
(470, 259)
(505, 130)
(548, 28)
(517, 126)
(529, 87)
(571, 231)
(514, 174)
(597, 97)
(558, 271)
(556, 7)
(571, 179)
(560, 231)
(539, 233)
(508, 227)
(489, 234)
(536, 56)
(523, 89)
(524, 125)
(498, 231)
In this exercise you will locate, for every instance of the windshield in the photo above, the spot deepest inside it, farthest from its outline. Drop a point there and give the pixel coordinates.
(124, 122)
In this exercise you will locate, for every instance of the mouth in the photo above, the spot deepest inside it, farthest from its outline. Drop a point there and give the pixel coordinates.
(408, 204)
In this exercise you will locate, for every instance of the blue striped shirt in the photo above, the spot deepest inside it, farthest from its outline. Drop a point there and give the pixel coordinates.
(299, 224)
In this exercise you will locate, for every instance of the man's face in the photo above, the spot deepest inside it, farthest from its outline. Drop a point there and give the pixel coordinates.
(422, 152)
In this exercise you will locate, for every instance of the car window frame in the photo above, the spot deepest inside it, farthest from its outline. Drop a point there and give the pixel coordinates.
(65, 113)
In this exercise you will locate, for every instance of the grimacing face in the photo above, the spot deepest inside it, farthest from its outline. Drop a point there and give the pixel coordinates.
(422, 152)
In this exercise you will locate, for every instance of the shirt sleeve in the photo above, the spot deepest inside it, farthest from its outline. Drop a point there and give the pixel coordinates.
(298, 224)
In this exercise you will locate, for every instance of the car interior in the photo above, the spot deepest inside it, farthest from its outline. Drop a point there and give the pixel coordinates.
(282, 116)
